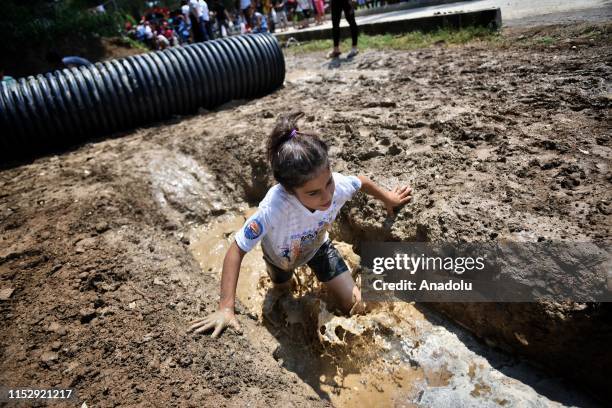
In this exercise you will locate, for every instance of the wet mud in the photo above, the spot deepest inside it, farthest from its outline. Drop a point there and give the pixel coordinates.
(99, 272)
(391, 356)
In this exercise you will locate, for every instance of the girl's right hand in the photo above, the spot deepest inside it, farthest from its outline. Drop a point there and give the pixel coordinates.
(218, 321)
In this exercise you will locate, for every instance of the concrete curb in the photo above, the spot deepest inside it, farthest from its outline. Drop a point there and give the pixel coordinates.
(480, 18)
(406, 5)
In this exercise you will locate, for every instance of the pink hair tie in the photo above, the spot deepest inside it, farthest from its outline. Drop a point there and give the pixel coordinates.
(293, 133)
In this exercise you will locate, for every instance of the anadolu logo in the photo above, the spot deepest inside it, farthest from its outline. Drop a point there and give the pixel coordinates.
(253, 229)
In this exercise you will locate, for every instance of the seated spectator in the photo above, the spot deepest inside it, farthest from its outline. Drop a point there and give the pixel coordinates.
(167, 31)
(149, 35)
(182, 29)
(139, 32)
(259, 22)
(162, 42)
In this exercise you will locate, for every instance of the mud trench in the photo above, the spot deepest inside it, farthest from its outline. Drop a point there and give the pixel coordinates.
(398, 354)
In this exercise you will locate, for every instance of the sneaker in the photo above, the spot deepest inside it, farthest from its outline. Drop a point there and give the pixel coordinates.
(333, 54)
(353, 52)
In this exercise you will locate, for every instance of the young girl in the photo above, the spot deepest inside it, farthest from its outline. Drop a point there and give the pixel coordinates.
(292, 222)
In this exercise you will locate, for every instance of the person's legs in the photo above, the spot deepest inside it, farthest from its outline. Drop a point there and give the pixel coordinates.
(349, 15)
(271, 23)
(209, 31)
(306, 14)
(245, 16)
(281, 285)
(277, 275)
(336, 10)
(196, 29)
(322, 10)
(283, 19)
(220, 25)
(332, 271)
(204, 28)
(346, 293)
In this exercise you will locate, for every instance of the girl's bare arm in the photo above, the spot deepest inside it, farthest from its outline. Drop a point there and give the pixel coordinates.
(391, 199)
(229, 276)
(224, 317)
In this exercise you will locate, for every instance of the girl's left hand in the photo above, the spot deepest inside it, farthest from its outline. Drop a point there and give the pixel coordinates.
(397, 197)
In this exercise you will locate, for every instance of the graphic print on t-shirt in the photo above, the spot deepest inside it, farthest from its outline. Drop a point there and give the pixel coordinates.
(306, 242)
(253, 229)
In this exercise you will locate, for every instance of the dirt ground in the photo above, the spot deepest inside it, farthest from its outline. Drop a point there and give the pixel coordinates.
(498, 142)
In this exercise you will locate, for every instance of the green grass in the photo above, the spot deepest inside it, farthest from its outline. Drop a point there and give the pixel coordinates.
(407, 41)
(546, 40)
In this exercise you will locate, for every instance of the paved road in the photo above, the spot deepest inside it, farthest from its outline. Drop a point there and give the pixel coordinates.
(514, 12)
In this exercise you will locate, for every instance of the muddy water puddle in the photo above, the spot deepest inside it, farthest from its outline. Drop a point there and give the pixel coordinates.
(313, 341)
(393, 356)
(209, 245)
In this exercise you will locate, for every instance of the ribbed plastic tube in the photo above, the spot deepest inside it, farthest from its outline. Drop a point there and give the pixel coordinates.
(73, 105)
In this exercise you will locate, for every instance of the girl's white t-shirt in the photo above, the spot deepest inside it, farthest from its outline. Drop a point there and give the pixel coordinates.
(291, 234)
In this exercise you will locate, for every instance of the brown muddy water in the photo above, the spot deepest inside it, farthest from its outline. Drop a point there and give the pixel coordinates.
(345, 376)
(395, 356)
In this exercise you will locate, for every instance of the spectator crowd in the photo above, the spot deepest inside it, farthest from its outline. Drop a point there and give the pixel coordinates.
(201, 20)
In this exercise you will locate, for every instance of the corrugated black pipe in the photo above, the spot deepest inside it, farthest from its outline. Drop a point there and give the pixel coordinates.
(72, 105)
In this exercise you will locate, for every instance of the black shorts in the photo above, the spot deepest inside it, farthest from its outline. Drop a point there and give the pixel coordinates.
(327, 263)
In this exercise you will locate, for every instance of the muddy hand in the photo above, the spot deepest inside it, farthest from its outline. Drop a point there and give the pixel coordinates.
(217, 321)
(397, 197)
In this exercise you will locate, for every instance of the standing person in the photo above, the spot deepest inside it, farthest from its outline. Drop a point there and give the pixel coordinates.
(291, 11)
(271, 14)
(195, 16)
(224, 21)
(306, 10)
(292, 223)
(245, 5)
(337, 6)
(320, 11)
(281, 13)
(185, 9)
(182, 29)
(205, 21)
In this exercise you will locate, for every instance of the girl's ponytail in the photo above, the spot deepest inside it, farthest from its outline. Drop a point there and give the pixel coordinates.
(285, 124)
(295, 156)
